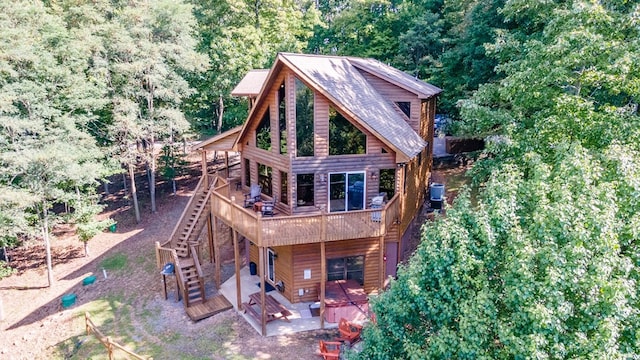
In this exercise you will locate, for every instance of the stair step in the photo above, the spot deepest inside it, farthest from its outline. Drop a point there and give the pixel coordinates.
(186, 263)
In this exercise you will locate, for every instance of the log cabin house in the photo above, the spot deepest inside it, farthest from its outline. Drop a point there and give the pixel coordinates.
(341, 146)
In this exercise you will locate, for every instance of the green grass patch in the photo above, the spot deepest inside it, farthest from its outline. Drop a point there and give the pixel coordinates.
(116, 261)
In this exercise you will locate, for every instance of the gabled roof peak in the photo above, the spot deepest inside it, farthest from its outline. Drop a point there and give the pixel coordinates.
(341, 80)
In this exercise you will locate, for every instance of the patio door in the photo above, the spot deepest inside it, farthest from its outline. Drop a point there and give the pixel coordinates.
(346, 191)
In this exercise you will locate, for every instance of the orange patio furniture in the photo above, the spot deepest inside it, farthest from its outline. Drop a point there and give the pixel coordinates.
(349, 331)
(330, 350)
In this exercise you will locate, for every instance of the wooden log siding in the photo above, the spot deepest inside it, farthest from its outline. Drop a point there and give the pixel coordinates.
(396, 94)
(301, 229)
(307, 257)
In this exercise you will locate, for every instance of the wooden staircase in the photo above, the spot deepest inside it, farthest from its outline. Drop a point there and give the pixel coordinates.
(191, 279)
(192, 221)
(182, 246)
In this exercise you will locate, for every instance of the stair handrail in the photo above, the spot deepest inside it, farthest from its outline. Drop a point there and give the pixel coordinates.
(161, 258)
(196, 262)
(181, 280)
(186, 210)
(199, 213)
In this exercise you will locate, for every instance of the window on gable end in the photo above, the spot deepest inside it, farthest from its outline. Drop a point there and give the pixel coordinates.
(344, 137)
(282, 118)
(405, 106)
(263, 132)
(304, 120)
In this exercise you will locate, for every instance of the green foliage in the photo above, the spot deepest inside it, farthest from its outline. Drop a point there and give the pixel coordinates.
(47, 100)
(539, 269)
(6, 270)
(239, 36)
(545, 265)
(172, 161)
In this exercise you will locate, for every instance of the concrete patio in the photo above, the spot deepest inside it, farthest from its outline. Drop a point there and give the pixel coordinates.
(300, 320)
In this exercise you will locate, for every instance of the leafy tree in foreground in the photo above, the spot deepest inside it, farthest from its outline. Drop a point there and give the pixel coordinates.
(148, 49)
(545, 266)
(46, 156)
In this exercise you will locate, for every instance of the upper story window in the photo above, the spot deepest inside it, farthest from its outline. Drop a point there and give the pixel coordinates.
(405, 106)
(344, 137)
(247, 172)
(282, 118)
(304, 120)
(264, 179)
(263, 132)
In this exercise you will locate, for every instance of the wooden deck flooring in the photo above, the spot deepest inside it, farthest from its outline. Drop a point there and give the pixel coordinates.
(208, 308)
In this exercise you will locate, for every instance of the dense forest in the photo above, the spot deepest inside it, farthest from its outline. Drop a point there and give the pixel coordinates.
(539, 260)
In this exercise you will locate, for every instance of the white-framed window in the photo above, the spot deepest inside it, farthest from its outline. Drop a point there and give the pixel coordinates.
(347, 191)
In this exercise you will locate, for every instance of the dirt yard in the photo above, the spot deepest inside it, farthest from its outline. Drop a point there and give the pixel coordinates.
(128, 304)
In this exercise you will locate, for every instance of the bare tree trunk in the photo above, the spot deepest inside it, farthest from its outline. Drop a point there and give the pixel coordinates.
(134, 193)
(152, 162)
(220, 113)
(106, 187)
(86, 248)
(152, 176)
(47, 243)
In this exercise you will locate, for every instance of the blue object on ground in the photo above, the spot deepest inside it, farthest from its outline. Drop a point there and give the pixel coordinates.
(68, 300)
(88, 280)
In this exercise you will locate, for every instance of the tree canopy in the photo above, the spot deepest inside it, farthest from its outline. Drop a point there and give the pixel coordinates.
(544, 262)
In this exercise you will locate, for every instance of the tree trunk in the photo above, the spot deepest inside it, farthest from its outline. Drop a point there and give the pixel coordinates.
(106, 187)
(152, 144)
(124, 183)
(220, 113)
(134, 193)
(47, 243)
(152, 177)
(86, 249)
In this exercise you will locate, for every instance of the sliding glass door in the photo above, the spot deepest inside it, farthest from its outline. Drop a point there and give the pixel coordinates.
(346, 191)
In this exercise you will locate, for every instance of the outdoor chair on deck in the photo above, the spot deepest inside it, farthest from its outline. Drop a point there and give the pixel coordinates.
(349, 331)
(330, 350)
(253, 196)
(269, 206)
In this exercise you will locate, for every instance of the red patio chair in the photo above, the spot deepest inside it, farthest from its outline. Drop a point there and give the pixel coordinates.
(330, 350)
(349, 331)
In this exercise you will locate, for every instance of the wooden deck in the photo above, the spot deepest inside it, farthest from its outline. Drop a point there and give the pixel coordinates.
(309, 227)
(208, 308)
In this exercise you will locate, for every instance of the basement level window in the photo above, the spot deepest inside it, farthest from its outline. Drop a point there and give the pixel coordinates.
(346, 268)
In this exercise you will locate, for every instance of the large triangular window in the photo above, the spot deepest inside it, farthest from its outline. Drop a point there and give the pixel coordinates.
(344, 137)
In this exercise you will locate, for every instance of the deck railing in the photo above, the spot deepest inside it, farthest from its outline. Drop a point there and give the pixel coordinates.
(164, 255)
(302, 229)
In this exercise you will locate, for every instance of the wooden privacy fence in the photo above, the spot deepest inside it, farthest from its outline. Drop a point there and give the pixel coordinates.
(107, 342)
